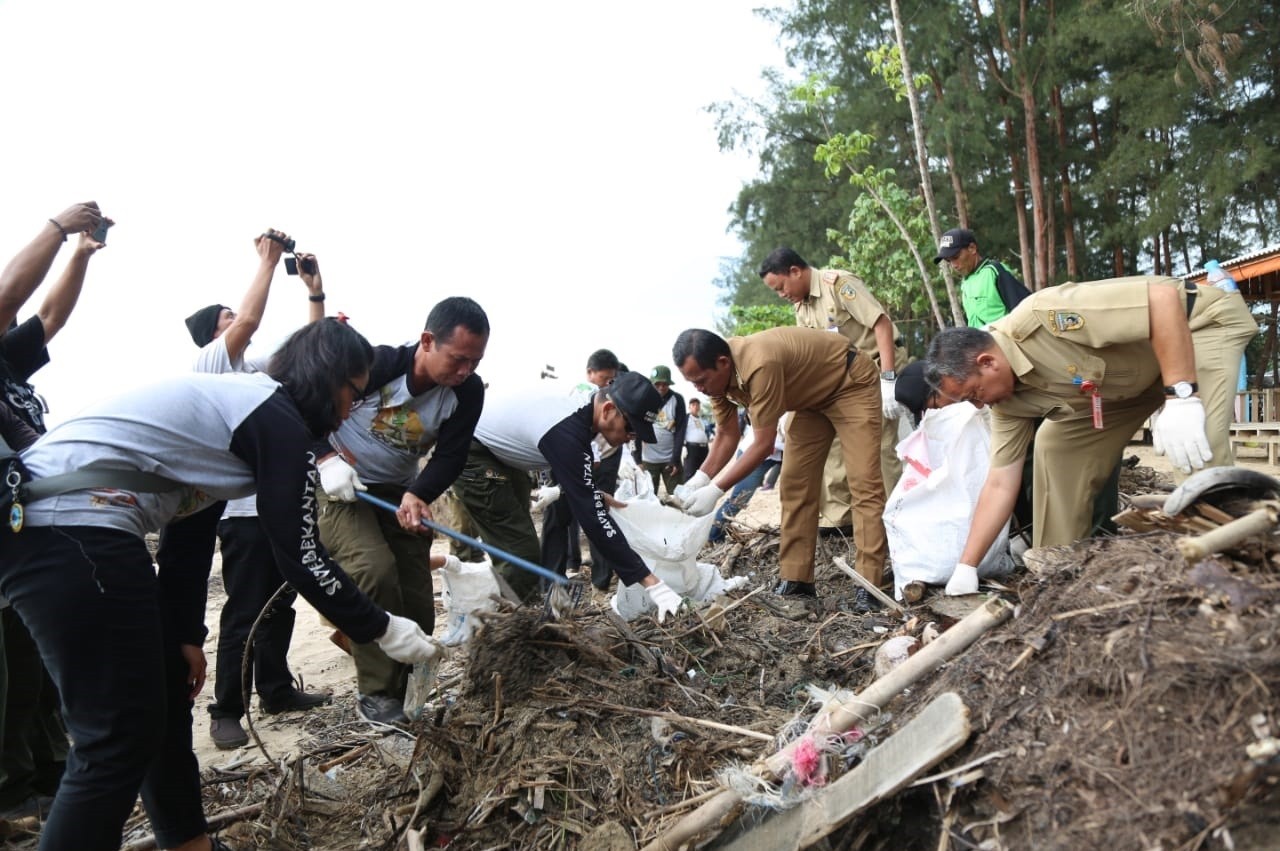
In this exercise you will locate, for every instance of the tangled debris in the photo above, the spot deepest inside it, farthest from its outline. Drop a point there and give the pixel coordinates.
(1132, 701)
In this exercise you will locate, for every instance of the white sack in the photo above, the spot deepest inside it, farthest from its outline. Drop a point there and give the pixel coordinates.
(927, 517)
(466, 590)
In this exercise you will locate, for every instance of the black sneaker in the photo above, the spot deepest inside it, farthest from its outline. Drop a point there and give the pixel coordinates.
(791, 588)
(295, 700)
(227, 734)
(864, 603)
(380, 709)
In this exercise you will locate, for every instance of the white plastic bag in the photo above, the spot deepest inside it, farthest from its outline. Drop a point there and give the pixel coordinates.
(668, 541)
(466, 589)
(633, 481)
(927, 517)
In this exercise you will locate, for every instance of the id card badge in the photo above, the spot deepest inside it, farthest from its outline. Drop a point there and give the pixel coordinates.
(1095, 401)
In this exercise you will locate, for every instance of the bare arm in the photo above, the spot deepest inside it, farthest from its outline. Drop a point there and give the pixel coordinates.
(995, 506)
(722, 448)
(884, 342)
(1170, 334)
(761, 448)
(62, 298)
(315, 287)
(254, 304)
(27, 269)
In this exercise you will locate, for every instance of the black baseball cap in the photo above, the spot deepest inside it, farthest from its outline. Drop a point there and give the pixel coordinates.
(639, 402)
(952, 242)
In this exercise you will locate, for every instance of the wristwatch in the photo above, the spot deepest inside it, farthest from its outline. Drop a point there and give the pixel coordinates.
(888, 375)
(1181, 389)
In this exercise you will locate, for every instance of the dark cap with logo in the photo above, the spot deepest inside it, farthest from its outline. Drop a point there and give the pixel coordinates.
(952, 242)
(638, 401)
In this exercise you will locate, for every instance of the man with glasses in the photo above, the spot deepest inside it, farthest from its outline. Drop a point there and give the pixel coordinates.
(422, 398)
(1093, 360)
(544, 430)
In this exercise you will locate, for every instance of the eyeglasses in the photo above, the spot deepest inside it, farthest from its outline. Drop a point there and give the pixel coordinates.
(357, 394)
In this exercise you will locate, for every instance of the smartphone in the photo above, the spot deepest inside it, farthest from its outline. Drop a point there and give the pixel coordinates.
(292, 264)
(100, 235)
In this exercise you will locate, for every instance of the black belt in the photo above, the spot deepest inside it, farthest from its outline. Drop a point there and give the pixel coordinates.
(1193, 290)
(849, 356)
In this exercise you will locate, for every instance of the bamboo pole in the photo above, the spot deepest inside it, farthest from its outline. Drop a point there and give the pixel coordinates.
(706, 821)
(1224, 537)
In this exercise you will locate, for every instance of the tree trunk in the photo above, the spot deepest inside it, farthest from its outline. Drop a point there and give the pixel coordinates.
(1064, 176)
(953, 170)
(922, 161)
(1035, 177)
(1019, 201)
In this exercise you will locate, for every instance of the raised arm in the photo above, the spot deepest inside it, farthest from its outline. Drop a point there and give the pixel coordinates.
(27, 269)
(314, 284)
(62, 298)
(254, 303)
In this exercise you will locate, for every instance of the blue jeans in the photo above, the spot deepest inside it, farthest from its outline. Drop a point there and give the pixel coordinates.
(738, 498)
(89, 597)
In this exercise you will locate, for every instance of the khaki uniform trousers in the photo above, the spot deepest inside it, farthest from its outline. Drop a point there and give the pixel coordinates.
(854, 416)
(836, 501)
(1073, 459)
(390, 565)
(1220, 334)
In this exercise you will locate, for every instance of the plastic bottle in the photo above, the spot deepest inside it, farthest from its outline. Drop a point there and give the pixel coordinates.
(1219, 277)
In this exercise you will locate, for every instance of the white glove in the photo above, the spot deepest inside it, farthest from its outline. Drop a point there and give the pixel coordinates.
(700, 479)
(964, 580)
(405, 642)
(452, 564)
(667, 601)
(889, 405)
(545, 496)
(339, 479)
(701, 502)
(1179, 433)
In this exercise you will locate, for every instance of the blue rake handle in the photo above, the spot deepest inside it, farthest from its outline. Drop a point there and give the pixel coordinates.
(549, 575)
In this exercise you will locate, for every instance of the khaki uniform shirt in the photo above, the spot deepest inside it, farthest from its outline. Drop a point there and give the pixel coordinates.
(780, 370)
(840, 301)
(1098, 330)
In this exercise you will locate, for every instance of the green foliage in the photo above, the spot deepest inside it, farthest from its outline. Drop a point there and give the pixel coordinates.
(1162, 117)
(743, 320)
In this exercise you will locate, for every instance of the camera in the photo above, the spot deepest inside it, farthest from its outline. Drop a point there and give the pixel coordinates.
(293, 264)
(285, 241)
(100, 233)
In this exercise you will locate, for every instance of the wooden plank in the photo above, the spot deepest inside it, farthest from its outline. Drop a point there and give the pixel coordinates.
(884, 598)
(924, 741)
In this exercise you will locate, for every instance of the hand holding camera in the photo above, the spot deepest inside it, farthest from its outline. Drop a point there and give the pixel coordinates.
(272, 244)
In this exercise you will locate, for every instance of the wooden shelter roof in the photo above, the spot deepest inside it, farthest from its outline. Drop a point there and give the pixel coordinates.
(1258, 275)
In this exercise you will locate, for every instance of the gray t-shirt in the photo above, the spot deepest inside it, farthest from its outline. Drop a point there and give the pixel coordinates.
(388, 435)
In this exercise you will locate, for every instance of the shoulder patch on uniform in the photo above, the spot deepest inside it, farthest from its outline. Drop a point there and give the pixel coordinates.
(847, 291)
(830, 276)
(1065, 320)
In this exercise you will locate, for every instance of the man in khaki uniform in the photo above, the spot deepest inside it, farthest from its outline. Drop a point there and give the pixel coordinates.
(832, 300)
(831, 389)
(1094, 360)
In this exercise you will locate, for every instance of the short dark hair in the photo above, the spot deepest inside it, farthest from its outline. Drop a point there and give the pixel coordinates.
(602, 359)
(314, 363)
(454, 311)
(702, 345)
(780, 261)
(953, 354)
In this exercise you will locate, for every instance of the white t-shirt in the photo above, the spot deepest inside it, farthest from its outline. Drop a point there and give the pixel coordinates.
(513, 425)
(215, 359)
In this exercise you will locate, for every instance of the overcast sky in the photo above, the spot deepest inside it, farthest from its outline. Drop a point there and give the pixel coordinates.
(553, 160)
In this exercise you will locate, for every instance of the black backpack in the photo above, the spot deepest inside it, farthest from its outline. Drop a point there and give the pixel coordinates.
(1012, 291)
